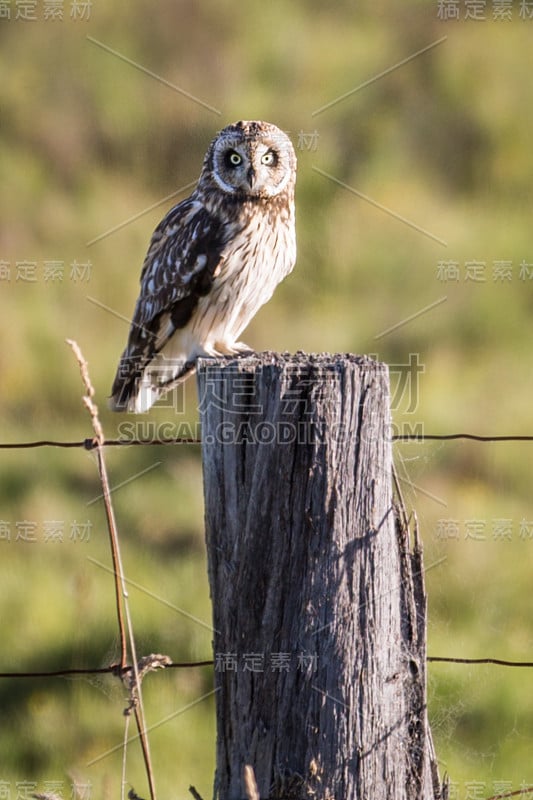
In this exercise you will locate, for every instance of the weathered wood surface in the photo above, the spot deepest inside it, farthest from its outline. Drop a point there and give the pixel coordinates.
(318, 603)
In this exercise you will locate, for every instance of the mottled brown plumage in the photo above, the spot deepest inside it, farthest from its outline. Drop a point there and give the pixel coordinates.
(213, 261)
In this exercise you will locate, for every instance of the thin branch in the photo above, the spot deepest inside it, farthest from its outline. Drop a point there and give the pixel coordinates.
(145, 747)
(195, 794)
(113, 536)
(145, 665)
(121, 592)
(124, 756)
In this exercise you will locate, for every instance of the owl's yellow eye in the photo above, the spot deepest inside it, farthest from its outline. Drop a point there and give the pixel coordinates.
(234, 159)
(269, 159)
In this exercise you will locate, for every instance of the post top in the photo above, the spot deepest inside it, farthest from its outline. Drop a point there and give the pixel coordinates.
(299, 359)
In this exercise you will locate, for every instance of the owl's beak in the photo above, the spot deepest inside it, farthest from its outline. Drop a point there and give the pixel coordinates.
(250, 177)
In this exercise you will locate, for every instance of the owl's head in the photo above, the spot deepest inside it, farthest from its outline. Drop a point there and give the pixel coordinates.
(250, 160)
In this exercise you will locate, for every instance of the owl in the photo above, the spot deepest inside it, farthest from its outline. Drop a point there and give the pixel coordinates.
(213, 261)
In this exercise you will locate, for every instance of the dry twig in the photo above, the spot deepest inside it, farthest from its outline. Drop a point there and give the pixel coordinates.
(121, 592)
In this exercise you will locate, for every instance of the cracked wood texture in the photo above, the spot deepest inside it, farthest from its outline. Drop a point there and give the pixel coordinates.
(319, 608)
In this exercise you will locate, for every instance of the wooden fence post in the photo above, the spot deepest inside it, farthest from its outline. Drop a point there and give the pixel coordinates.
(318, 602)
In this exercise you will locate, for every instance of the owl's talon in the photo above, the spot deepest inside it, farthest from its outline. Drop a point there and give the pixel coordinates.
(242, 349)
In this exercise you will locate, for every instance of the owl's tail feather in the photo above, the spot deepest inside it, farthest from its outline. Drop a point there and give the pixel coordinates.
(137, 394)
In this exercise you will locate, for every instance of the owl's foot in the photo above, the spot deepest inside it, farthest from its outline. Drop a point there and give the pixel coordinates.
(242, 349)
(232, 348)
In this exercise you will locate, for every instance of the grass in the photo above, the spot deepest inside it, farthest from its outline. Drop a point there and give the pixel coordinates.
(88, 143)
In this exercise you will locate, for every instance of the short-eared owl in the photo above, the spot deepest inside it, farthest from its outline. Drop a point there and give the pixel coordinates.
(213, 261)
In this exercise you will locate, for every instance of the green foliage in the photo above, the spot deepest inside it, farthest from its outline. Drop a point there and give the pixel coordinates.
(90, 142)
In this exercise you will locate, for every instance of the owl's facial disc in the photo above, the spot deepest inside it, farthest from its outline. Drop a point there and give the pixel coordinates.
(254, 167)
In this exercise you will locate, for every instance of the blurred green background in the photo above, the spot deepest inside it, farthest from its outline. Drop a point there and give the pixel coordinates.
(91, 145)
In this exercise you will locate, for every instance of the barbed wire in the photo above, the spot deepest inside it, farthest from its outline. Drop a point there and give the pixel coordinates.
(92, 444)
(116, 669)
(112, 669)
(446, 437)
(501, 662)
(515, 793)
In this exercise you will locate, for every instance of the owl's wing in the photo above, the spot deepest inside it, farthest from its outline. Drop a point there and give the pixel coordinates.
(182, 260)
